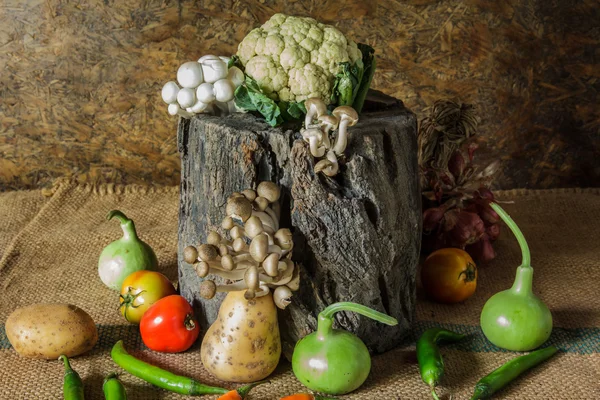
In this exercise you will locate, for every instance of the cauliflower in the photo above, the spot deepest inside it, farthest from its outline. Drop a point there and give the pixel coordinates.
(296, 58)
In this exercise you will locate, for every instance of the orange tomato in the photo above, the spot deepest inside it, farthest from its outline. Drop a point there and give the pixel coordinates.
(140, 290)
(449, 275)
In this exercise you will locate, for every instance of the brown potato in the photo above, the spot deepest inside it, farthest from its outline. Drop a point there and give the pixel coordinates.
(243, 344)
(49, 330)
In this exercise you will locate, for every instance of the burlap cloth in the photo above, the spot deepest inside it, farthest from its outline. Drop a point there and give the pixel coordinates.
(50, 247)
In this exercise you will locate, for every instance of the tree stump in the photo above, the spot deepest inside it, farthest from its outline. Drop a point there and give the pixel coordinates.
(356, 235)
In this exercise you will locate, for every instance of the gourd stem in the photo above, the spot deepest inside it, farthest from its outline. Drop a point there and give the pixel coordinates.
(127, 225)
(326, 316)
(526, 262)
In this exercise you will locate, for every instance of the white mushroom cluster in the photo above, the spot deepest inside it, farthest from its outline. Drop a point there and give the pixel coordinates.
(255, 255)
(319, 131)
(207, 86)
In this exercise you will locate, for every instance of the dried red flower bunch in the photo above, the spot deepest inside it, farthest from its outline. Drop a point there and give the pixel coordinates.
(456, 197)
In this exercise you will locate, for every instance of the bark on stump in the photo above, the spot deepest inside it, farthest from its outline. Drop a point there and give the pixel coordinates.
(356, 235)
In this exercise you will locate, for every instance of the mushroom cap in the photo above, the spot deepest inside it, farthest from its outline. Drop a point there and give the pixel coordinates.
(173, 109)
(312, 132)
(227, 223)
(208, 57)
(249, 194)
(224, 90)
(271, 264)
(208, 289)
(259, 247)
(202, 269)
(282, 297)
(253, 226)
(237, 232)
(252, 281)
(316, 104)
(213, 238)
(214, 69)
(283, 238)
(269, 191)
(227, 262)
(239, 244)
(206, 93)
(346, 113)
(169, 92)
(239, 207)
(260, 203)
(236, 76)
(223, 250)
(329, 120)
(207, 252)
(189, 74)
(186, 97)
(190, 255)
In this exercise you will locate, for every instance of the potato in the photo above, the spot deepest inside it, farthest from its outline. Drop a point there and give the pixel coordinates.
(49, 330)
(243, 344)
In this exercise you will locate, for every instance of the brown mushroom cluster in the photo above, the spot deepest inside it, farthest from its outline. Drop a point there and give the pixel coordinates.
(255, 254)
(319, 134)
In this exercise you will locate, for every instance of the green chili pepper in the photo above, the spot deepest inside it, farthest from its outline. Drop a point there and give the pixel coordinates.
(113, 388)
(165, 379)
(502, 376)
(430, 360)
(73, 385)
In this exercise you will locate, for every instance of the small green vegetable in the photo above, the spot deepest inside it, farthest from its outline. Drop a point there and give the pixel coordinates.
(73, 385)
(430, 360)
(165, 379)
(502, 376)
(124, 256)
(113, 388)
(334, 361)
(516, 319)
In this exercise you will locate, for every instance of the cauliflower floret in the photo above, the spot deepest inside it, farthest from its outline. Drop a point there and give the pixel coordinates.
(294, 58)
(309, 81)
(270, 75)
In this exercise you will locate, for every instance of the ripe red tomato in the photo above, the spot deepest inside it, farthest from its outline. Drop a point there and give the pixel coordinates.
(140, 290)
(169, 326)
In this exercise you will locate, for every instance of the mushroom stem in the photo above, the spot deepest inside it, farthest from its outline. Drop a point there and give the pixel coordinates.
(174, 109)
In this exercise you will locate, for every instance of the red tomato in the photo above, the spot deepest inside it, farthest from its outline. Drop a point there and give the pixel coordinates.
(140, 290)
(169, 326)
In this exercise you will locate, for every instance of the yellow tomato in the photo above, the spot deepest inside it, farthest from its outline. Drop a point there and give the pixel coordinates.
(449, 275)
(140, 290)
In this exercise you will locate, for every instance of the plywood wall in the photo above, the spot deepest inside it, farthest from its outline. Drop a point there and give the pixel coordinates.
(80, 80)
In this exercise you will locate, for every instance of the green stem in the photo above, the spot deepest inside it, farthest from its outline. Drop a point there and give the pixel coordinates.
(434, 394)
(326, 316)
(127, 225)
(517, 232)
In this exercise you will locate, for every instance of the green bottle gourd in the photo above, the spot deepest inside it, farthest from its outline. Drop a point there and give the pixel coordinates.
(516, 319)
(335, 361)
(124, 256)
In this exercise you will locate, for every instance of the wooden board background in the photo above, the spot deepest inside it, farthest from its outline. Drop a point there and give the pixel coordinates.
(80, 80)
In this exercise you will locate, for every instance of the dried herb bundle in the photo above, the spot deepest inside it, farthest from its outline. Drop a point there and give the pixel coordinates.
(456, 196)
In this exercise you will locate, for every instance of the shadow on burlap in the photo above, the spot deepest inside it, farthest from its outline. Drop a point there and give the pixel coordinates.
(50, 247)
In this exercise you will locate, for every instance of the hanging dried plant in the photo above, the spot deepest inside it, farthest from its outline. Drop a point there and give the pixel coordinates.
(456, 197)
